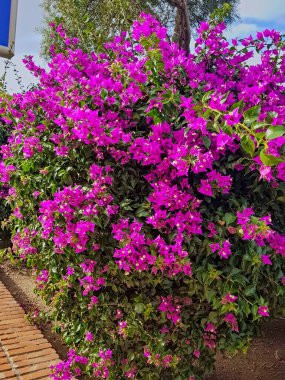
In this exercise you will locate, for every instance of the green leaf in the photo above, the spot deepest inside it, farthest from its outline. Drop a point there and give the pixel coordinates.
(104, 93)
(268, 159)
(206, 141)
(237, 105)
(27, 166)
(229, 218)
(207, 113)
(207, 96)
(247, 145)
(275, 131)
(227, 129)
(251, 114)
(258, 125)
(260, 136)
(139, 308)
(213, 316)
(250, 291)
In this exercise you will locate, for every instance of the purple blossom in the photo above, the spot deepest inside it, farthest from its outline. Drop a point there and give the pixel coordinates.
(228, 298)
(266, 260)
(263, 311)
(89, 336)
(223, 250)
(231, 319)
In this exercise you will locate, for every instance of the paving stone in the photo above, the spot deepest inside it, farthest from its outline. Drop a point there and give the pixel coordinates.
(25, 354)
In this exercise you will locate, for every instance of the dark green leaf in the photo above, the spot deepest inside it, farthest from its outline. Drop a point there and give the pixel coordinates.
(251, 115)
(229, 218)
(206, 141)
(247, 145)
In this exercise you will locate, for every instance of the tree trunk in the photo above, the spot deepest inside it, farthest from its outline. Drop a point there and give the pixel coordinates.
(182, 31)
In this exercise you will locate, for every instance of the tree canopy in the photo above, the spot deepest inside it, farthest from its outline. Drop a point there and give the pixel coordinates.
(95, 21)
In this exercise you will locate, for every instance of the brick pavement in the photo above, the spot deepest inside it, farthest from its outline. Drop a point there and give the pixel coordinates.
(25, 354)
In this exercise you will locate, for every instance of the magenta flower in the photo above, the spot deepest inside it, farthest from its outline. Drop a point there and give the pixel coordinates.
(130, 374)
(224, 250)
(147, 352)
(36, 194)
(17, 213)
(244, 216)
(89, 336)
(212, 229)
(231, 319)
(229, 298)
(210, 327)
(164, 330)
(70, 271)
(203, 27)
(281, 171)
(266, 260)
(206, 188)
(263, 311)
(119, 314)
(233, 118)
(122, 328)
(170, 306)
(42, 278)
(196, 353)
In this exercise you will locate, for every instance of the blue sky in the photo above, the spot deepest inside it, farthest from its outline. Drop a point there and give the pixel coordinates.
(255, 15)
(28, 40)
(258, 15)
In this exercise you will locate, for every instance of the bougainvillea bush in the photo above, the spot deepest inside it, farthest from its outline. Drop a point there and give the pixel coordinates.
(146, 189)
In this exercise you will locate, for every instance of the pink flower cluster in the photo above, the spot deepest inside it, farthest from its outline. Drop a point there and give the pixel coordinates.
(171, 307)
(67, 203)
(224, 249)
(22, 243)
(137, 251)
(76, 363)
(228, 298)
(42, 279)
(231, 319)
(215, 181)
(210, 335)
(158, 360)
(258, 229)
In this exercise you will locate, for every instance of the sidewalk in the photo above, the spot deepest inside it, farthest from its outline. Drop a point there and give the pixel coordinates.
(25, 354)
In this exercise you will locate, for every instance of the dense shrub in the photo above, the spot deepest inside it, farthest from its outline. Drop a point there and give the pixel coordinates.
(141, 186)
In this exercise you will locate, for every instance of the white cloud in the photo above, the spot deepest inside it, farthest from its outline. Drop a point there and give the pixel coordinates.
(264, 10)
(241, 30)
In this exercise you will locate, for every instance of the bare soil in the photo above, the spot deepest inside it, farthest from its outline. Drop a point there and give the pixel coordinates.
(265, 359)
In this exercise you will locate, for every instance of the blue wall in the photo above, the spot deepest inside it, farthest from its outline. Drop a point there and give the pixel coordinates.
(5, 10)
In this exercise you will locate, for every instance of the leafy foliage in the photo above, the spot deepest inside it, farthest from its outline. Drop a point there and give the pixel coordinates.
(4, 208)
(142, 182)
